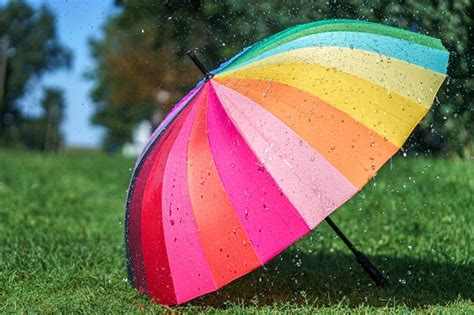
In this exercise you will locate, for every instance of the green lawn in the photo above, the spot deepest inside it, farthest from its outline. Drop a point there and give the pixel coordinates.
(61, 243)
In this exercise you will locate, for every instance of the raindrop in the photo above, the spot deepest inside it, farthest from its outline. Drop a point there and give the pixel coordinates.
(299, 263)
(260, 167)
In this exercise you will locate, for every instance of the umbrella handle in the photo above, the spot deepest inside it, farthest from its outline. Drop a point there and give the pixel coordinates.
(377, 277)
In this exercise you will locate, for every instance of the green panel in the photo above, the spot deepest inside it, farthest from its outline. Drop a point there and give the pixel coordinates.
(297, 31)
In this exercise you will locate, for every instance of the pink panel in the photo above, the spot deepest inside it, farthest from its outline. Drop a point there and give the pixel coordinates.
(311, 183)
(189, 268)
(270, 220)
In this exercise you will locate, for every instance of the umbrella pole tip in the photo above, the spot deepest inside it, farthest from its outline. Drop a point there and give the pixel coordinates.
(199, 64)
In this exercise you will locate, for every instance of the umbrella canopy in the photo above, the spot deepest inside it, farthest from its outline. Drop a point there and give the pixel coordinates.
(256, 157)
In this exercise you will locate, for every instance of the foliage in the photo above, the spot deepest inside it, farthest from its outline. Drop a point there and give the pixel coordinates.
(144, 45)
(33, 49)
(61, 244)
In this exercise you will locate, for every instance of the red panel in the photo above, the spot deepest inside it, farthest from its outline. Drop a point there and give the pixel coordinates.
(158, 277)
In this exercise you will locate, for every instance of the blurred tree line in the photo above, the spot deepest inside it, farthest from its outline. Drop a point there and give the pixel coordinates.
(142, 68)
(29, 48)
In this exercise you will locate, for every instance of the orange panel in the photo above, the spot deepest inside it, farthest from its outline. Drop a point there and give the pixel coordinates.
(354, 149)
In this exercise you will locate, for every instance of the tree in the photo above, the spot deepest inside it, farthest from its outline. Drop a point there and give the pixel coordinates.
(146, 42)
(44, 132)
(31, 49)
(53, 106)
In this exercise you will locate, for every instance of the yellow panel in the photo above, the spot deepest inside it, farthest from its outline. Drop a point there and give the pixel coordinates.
(406, 79)
(389, 114)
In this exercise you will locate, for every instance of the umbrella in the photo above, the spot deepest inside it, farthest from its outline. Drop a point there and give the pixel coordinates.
(265, 147)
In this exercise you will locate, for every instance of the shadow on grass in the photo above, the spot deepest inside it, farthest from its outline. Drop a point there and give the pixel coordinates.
(323, 279)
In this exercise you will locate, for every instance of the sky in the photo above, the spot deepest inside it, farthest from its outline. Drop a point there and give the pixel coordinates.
(77, 21)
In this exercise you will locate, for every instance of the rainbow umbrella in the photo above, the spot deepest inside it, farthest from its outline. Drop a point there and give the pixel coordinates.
(267, 146)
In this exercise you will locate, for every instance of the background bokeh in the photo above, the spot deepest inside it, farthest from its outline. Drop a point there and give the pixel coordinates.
(82, 84)
(137, 67)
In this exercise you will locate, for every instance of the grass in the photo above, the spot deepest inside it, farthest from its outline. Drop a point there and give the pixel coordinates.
(61, 243)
